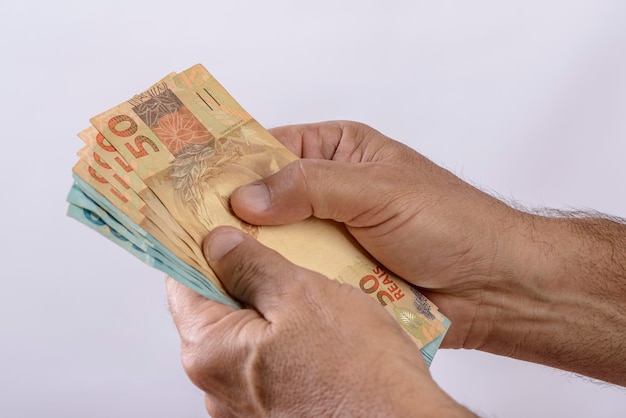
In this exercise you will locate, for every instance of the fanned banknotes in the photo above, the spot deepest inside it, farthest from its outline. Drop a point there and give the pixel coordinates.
(155, 176)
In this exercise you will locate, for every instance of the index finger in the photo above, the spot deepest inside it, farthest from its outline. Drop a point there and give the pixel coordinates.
(191, 310)
(333, 140)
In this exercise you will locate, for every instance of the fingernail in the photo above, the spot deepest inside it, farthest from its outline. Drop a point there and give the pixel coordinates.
(221, 242)
(255, 196)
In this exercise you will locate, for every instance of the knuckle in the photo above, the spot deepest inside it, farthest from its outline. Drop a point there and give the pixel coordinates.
(195, 366)
(357, 126)
(246, 271)
(298, 171)
(309, 289)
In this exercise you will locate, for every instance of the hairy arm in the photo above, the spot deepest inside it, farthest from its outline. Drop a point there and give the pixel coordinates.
(565, 303)
(547, 289)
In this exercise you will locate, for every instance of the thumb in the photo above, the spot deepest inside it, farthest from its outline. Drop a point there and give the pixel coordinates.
(344, 192)
(254, 274)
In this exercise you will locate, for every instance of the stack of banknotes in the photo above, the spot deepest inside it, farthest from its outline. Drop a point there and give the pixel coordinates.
(155, 176)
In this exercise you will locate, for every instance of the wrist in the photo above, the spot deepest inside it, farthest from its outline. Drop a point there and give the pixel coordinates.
(560, 301)
(421, 398)
(402, 386)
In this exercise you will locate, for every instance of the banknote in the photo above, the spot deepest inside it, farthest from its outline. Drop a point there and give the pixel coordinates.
(159, 168)
(112, 224)
(110, 174)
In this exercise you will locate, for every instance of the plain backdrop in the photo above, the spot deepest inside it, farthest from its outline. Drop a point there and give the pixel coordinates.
(526, 99)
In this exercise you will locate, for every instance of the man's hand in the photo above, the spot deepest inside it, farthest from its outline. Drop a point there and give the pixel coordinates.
(549, 290)
(419, 220)
(306, 346)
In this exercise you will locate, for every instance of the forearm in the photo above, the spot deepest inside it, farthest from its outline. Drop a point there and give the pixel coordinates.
(565, 305)
(411, 398)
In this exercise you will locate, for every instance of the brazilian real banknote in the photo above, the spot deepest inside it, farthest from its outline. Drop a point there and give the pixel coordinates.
(155, 175)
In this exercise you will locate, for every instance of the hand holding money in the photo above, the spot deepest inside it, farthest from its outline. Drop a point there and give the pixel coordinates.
(310, 347)
(157, 173)
(161, 171)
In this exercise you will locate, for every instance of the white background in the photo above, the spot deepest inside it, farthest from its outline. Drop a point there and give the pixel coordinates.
(526, 99)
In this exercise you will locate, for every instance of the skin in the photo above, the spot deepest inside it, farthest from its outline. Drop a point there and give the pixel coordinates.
(547, 289)
(297, 352)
